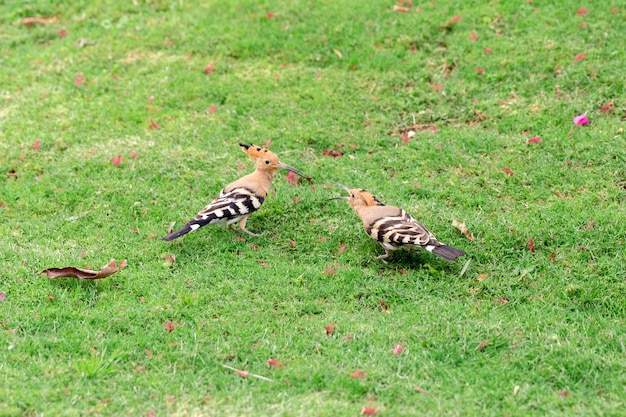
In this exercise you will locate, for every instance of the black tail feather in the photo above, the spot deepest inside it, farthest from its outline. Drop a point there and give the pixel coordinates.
(448, 252)
(182, 231)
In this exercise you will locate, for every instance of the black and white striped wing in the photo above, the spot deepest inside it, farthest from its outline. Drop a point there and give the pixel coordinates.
(227, 208)
(402, 229)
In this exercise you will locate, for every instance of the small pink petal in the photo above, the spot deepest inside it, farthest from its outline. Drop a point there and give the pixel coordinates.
(581, 11)
(536, 139)
(330, 328)
(358, 374)
(36, 145)
(242, 374)
(579, 57)
(531, 245)
(117, 160)
(581, 120)
(473, 36)
(455, 18)
(507, 171)
(487, 50)
(208, 70)
(480, 70)
(405, 138)
(269, 15)
(397, 349)
(134, 155)
(582, 24)
(150, 99)
(79, 79)
(274, 363)
(153, 124)
(342, 249)
(368, 411)
(292, 178)
(2, 296)
(212, 109)
(151, 414)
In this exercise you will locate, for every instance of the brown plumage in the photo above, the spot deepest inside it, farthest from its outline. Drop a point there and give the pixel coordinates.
(240, 198)
(393, 227)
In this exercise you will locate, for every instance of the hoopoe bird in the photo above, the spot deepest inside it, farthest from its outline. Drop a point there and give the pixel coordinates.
(393, 227)
(239, 199)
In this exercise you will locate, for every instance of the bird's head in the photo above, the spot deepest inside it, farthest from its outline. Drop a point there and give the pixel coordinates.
(267, 161)
(358, 198)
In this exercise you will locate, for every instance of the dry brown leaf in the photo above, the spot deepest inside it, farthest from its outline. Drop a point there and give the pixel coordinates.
(463, 229)
(338, 53)
(73, 272)
(31, 21)
(482, 277)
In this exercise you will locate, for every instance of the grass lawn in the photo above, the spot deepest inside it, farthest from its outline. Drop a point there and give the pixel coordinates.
(452, 110)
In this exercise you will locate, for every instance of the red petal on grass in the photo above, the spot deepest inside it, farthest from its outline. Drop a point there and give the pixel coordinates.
(342, 249)
(242, 374)
(239, 239)
(134, 154)
(170, 326)
(480, 70)
(581, 11)
(79, 79)
(239, 166)
(153, 124)
(502, 301)
(607, 108)
(330, 270)
(581, 120)
(383, 304)
(615, 10)
(436, 87)
(2, 296)
(117, 160)
(473, 36)
(536, 139)
(531, 245)
(212, 109)
(270, 15)
(397, 349)
(507, 171)
(333, 153)
(330, 328)
(150, 99)
(455, 18)
(168, 42)
(292, 178)
(368, 411)
(151, 414)
(582, 24)
(579, 56)
(275, 363)
(487, 51)
(482, 345)
(293, 242)
(420, 389)
(358, 374)
(208, 70)
(562, 393)
(36, 145)
(404, 138)
(148, 352)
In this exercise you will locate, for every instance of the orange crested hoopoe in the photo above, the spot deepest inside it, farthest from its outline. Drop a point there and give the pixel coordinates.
(241, 198)
(393, 227)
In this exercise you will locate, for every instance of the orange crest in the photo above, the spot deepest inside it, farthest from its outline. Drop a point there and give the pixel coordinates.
(256, 152)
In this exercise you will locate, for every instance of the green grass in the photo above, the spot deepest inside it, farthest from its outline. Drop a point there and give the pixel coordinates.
(549, 322)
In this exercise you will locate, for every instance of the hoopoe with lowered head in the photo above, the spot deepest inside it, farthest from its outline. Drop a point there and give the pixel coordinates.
(393, 227)
(239, 199)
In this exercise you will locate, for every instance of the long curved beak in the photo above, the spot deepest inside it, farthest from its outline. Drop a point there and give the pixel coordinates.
(342, 186)
(294, 170)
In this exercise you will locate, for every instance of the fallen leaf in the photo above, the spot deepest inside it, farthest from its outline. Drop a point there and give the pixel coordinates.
(169, 257)
(473, 36)
(463, 229)
(487, 51)
(397, 349)
(50, 297)
(153, 124)
(36, 145)
(516, 389)
(330, 328)
(507, 171)
(607, 108)
(63, 33)
(480, 70)
(269, 15)
(456, 18)
(31, 21)
(148, 352)
(73, 272)
(581, 11)
(582, 24)
(342, 249)
(79, 79)
(212, 109)
(208, 70)
(383, 304)
(481, 277)
(358, 374)
(562, 393)
(552, 257)
(531, 245)
(333, 153)
(590, 224)
(400, 9)
(338, 53)
(330, 270)
(292, 178)
(293, 242)
(168, 42)
(134, 155)
(117, 160)
(579, 57)
(404, 138)
(368, 411)
(536, 139)
(482, 345)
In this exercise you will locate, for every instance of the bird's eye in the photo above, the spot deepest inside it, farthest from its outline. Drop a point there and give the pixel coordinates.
(267, 162)
(352, 195)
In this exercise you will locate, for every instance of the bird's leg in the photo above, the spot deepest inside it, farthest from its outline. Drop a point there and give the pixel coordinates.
(383, 257)
(242, 226)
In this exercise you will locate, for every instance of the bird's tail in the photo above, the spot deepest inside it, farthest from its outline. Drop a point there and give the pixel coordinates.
(447, 252)
(182, 231)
